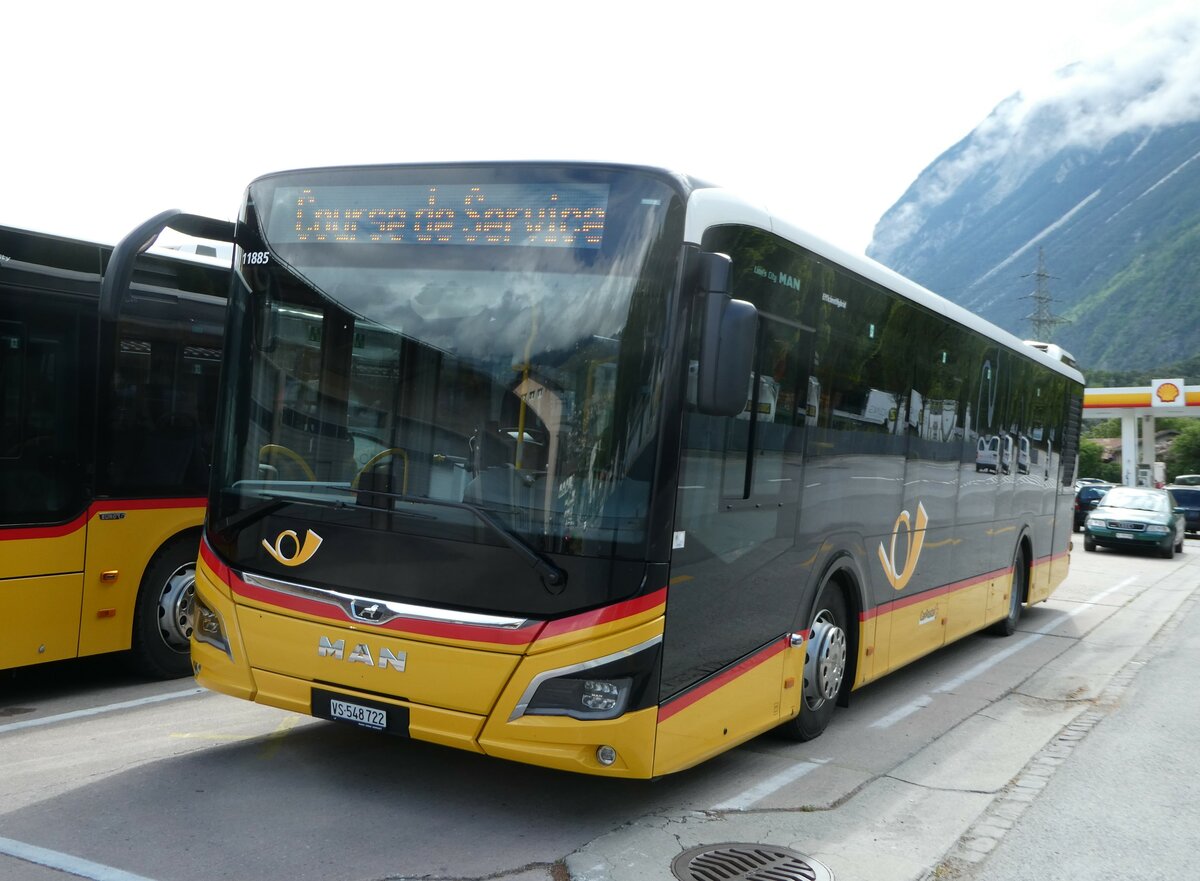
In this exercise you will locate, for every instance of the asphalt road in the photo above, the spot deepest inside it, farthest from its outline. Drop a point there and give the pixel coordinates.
(104, 776)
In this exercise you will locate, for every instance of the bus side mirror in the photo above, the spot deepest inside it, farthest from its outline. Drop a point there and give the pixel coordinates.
(727, 336)
(266, 325)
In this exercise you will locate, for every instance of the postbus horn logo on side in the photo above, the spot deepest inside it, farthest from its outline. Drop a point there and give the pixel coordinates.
(299, 553)
(916, 540)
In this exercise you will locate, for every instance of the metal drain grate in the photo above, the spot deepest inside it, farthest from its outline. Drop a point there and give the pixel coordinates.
(747, 862)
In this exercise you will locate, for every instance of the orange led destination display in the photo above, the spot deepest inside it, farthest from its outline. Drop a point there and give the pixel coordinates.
(532, 214)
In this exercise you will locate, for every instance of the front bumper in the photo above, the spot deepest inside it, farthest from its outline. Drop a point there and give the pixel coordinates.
(458, 695)
(1118, 538)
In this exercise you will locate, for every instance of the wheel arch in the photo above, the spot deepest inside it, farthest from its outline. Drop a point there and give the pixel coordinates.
(843, 570)
(1025, 548)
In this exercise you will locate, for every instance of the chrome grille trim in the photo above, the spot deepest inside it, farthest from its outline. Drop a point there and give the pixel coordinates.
(390, 610)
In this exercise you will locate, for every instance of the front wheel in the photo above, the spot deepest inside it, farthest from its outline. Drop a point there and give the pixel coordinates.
(825, 665)
(164, 613)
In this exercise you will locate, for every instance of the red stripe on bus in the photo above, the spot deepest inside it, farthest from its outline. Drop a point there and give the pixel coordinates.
(21, 533)
(913, 599)
(213, 562)
(605, 615)
(685, 700)
(144, 504)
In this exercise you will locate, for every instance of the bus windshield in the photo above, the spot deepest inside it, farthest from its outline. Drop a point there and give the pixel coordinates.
(487, 375)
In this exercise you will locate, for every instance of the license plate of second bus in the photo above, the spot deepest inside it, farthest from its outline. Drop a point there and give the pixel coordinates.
(366, 714)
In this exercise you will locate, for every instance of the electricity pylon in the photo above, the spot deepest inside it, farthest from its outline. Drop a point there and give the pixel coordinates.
(1041, 318)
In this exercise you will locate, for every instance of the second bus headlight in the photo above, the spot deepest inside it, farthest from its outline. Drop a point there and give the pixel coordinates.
(209, 628)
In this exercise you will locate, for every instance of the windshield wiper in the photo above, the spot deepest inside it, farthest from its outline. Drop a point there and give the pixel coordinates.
(270, 504)
(552, 574)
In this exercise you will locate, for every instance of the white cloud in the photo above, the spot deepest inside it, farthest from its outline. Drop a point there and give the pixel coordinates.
(826, 112)
(1149, 80)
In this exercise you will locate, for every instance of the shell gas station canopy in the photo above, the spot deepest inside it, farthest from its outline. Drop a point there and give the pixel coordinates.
(1162, 398)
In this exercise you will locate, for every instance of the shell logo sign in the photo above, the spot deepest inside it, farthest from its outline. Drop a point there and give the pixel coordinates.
(1167, 393)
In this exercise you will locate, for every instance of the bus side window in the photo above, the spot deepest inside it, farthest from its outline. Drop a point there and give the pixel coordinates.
(12, 381)
(40, 383)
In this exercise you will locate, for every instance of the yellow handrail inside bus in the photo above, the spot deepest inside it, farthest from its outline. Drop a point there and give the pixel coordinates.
(379, 457)
(269, 449)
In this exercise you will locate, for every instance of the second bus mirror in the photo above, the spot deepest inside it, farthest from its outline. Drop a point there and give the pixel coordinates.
(728, 332)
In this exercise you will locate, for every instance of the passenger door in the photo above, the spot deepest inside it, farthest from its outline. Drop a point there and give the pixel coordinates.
(45, 371)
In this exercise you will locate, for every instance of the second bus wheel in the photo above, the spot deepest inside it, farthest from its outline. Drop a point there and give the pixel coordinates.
(165, 610)
(826, 661)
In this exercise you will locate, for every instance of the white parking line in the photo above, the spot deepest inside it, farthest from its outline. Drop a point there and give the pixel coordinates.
(757, 793)
(906, 710)
(64, 862)
(96, 711)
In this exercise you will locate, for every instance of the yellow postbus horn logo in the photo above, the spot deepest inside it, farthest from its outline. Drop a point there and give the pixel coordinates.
(916, 540)
(301, 553)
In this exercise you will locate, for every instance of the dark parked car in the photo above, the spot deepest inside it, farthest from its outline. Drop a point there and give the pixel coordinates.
(1086, 499)
(1188, 499)
(1135, 517)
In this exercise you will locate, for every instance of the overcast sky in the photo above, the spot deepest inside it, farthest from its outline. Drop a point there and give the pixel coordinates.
(825, 112)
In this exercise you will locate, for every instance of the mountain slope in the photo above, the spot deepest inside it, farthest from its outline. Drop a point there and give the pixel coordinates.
(1104, 176)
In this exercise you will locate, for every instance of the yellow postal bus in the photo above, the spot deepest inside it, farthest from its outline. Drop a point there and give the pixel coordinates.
(105, 438)
(600, 468)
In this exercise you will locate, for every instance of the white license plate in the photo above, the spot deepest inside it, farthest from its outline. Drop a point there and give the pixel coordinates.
(1128, 535)
(368, 716)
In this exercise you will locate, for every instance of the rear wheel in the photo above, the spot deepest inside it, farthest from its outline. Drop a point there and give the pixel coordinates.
(825, 665)
(164, 613)
(1016, 595)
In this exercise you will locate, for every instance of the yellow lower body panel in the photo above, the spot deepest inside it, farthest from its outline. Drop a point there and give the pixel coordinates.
(571, 745)
(742, 706)
(1047, 576)
(40, 619)
(446, 727)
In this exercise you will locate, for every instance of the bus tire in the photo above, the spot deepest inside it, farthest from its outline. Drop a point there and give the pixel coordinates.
(826, 661)
(164, 611)
(1007, 625)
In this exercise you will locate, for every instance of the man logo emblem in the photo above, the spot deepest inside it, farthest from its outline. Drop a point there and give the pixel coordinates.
(370, 613)
(289, 551)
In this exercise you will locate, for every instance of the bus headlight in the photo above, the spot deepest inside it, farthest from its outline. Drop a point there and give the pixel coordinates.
(601, 689)
(581, 698)
(209, 628)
